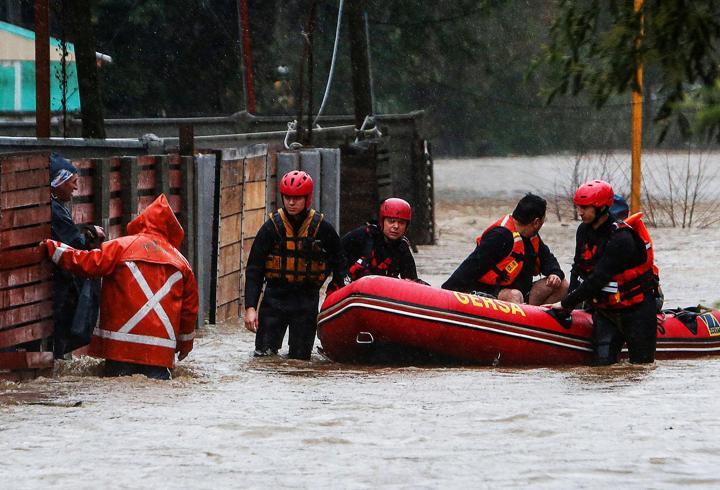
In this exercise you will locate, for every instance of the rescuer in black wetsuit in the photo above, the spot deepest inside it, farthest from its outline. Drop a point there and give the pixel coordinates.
(507, 257)
(382, 249)
(612, 271)
(293, 253)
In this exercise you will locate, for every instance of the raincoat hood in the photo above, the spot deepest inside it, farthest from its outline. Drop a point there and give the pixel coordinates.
(158, 219)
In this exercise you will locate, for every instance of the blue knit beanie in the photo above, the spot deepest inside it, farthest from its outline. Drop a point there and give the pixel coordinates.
(61, 169)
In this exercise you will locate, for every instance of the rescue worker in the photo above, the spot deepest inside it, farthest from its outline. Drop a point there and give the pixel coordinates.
(508, 255)
(149, 298)
(293, 253)
(621, 210)
(382, 249)
(76, 301)
(612, 271)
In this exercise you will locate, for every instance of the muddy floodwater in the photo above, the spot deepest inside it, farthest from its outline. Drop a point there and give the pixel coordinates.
(230, 421)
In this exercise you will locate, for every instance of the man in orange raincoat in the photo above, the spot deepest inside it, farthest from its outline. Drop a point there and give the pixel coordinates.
(149, 298)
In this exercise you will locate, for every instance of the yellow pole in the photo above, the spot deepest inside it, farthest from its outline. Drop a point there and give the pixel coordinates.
(637, 104)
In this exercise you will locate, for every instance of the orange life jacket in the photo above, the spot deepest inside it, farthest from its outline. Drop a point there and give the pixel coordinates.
(628, 287)
(297, 258)
(508, 269)
(636, 222)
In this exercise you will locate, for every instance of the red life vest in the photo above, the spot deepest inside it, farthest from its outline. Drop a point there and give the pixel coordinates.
(149, 298)
(508, 269)
(628, 287)
(368, 263)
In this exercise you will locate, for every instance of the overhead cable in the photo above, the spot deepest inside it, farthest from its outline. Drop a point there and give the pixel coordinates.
(332, 62)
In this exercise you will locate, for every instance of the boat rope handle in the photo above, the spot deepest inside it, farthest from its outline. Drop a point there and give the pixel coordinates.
(369, 339)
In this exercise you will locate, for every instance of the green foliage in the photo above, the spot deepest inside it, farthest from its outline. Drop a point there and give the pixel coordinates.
(594, 49)
(169, 57)
(466, 62)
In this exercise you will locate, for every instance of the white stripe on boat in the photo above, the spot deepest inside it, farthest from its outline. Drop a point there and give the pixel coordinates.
(354, 304)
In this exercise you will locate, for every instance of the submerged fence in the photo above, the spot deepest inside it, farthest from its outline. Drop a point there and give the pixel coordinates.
(25, 282)
(113, 191)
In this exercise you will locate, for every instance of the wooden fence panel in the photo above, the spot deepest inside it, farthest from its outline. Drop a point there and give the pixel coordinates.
(25, 282)
(229, 250)
(243, 203)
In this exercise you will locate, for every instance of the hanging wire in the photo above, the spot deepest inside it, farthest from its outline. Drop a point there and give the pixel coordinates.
(291, 128)
(332, 62)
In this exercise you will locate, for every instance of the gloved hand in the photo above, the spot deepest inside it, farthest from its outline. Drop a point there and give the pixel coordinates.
(659, 301)
(94, 235)
(563, 317)
(100, 232)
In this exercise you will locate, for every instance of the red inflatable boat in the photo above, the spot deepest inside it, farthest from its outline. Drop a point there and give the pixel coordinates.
(382, 320)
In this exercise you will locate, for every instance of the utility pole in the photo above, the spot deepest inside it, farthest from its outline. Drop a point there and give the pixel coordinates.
(637, 104)
(362, 99)
(42, 69)
(91, 106)
(246, 48)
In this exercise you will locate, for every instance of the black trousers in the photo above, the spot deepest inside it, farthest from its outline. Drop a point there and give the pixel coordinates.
(284, 307)
(117, 368)
(635, 325)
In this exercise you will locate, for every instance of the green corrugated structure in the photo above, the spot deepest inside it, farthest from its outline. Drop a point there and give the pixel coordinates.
(17, 72)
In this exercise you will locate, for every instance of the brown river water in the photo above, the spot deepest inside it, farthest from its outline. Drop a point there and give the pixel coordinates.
(228, 420)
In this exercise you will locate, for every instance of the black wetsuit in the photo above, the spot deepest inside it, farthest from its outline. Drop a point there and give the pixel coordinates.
(378, 255)
(288, 305)
(636, 324)
(495, 246)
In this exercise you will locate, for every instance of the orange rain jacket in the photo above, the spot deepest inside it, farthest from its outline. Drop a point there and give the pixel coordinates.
(149, 298)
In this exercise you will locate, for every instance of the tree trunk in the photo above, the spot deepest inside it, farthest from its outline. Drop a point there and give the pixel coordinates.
(79, 13)
(359, 61)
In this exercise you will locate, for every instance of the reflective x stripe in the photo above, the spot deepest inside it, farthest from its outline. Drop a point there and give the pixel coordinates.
(61, 247)
(611, 287)
(153, 302)
(136, 339)
(184, 337)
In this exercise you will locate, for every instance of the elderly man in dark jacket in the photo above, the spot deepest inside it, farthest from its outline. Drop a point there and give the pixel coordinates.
(76, 300)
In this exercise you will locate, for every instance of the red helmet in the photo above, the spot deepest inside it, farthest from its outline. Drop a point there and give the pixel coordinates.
(597, 193)
(297, 183)
(395, 208)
